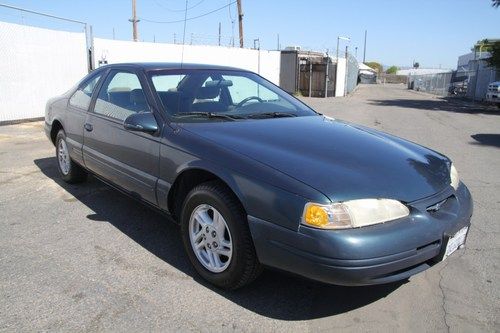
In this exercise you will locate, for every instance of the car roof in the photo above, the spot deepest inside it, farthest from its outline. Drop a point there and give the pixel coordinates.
(149, 66)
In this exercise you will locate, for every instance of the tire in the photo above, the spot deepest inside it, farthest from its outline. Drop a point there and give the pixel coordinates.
(240, 267)
(70, 171)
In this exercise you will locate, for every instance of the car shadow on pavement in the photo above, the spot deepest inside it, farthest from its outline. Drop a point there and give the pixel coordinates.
(274, 294)
(448, 104)
(487, 139)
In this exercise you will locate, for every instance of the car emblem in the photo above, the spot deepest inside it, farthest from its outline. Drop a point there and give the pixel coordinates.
(437, 206)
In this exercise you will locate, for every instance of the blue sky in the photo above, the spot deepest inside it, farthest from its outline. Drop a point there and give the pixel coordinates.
(433, 32)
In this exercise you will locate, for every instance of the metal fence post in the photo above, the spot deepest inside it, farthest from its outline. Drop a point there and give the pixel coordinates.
(89, 38)
(326, 73)
(310, 76)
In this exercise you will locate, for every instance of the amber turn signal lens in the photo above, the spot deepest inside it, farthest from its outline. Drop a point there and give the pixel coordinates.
(316, 216)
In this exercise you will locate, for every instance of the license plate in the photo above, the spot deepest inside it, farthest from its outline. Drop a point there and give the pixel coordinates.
(456, 241)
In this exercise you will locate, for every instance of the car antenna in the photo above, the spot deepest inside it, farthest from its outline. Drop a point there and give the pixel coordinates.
(184, 34)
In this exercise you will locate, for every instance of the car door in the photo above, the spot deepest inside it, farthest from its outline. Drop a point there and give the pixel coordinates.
(77, 108)
(126, 158)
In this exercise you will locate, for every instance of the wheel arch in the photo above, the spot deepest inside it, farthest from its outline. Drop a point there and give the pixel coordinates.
(56, 127)
(192, 176)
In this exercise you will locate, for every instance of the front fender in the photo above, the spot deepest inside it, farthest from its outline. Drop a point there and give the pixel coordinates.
(264, 192)
(258, 198)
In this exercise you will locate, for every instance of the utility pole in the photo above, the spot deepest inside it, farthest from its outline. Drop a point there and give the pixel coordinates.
(278, 46)
(240, 21)
(364, 50)
(134, 21)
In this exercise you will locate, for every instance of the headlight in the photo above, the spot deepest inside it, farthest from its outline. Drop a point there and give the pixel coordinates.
(455, 180)
(353, 214)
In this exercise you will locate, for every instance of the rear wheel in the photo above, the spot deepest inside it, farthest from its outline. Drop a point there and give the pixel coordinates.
(217, 238)
(69, 170)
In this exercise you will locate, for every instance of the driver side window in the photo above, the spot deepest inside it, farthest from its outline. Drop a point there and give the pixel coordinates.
(120, 96)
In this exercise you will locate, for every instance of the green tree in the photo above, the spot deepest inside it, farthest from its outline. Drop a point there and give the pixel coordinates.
(391, 70)
(494, 59)
(375, 65)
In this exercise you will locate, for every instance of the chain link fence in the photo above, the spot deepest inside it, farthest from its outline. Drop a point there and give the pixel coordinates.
(471, 84)
(438, 84)
(352, 73)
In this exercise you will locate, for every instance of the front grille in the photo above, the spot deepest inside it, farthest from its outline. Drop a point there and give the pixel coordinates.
(436, 242)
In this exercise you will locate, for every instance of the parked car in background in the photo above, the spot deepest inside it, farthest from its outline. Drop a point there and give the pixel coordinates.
(458, 88)
(493, 93)
(256, 178)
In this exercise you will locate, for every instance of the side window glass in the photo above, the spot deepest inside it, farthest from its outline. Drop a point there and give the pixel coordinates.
(120, 96)
(81, 98)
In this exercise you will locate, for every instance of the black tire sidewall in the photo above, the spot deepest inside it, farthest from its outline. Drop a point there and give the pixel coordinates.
(203, 195)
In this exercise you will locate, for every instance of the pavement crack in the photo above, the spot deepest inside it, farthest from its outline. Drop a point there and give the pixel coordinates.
(443, 297)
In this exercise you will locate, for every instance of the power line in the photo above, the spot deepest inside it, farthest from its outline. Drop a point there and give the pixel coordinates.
(189, 18)
(43, 14)
(178, 10)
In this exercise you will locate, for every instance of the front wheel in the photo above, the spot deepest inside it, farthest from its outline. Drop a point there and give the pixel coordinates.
(216, 236)
(69, 170)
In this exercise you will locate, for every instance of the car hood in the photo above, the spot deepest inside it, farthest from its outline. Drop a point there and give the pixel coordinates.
(342, 160)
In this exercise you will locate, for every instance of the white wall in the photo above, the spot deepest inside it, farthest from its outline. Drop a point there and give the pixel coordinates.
(35, 65)
(340, 77)
(266, 63)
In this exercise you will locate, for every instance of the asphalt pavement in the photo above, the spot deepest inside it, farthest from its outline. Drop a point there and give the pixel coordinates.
(87, 258)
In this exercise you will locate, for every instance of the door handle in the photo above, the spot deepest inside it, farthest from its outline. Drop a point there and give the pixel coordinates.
(88, 127)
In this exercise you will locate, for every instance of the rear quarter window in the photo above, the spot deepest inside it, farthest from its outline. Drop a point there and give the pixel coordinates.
(82, 96)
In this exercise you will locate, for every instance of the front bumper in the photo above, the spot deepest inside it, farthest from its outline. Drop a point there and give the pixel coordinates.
(493, 97)
(375, 254)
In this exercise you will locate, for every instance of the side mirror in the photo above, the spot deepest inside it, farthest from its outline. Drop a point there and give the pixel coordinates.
(141, 122)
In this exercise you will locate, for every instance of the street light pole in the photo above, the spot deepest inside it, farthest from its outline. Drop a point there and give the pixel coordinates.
(337, 58)
(338, 39)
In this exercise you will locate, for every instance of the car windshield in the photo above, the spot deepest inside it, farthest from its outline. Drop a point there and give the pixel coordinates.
(223, 95)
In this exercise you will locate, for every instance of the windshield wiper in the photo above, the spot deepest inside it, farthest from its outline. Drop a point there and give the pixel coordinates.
(210, 115)
(271, 115)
